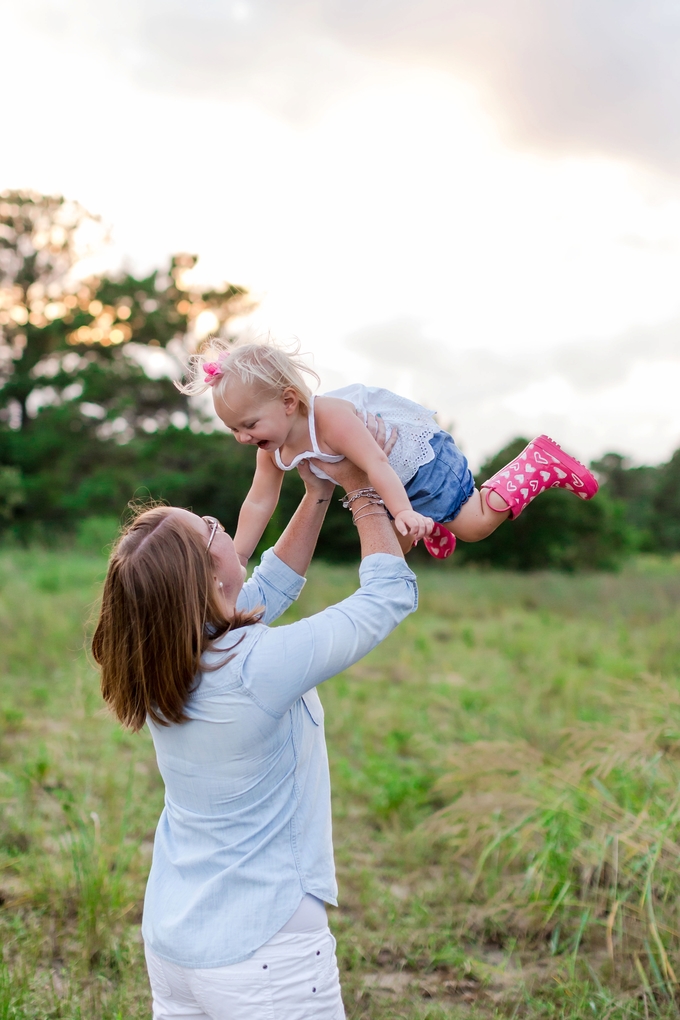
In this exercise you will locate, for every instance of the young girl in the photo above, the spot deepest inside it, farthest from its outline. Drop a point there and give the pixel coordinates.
(260, 393)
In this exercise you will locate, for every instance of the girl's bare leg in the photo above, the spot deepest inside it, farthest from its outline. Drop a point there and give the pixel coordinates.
(477, 520)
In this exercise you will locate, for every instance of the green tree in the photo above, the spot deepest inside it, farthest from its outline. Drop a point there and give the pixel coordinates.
(84, 428)
(636, 488)
(666, 505)
(72, 389)
(64, 339)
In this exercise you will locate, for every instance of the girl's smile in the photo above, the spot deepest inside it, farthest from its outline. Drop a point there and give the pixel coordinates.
(257, 419)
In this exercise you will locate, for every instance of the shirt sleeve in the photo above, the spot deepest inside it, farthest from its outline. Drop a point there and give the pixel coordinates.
(286, 662)
(273, 585)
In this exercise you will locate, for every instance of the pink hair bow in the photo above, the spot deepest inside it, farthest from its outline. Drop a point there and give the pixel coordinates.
(214, 370)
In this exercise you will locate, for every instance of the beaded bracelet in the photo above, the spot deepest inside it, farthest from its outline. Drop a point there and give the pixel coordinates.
(370, 494)
(372, 498)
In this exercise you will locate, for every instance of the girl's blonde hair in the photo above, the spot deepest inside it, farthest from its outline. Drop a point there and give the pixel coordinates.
(262, 362)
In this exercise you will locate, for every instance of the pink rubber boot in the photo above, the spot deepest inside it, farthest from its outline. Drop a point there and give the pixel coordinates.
(541, 465)
(440, 543)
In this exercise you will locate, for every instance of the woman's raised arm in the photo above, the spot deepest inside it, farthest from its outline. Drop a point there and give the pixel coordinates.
(376, 533)
(288, 661)
(298, 542)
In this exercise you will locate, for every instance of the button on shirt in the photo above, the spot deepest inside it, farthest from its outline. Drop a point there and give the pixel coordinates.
(246, 828)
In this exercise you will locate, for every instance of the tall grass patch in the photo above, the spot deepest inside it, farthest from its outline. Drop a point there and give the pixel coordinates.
(506, 777)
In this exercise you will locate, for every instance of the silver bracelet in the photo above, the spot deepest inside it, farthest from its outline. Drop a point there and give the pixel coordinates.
(370, 494)
(372, 513)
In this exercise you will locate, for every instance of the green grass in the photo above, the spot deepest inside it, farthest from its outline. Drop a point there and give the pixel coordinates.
(506, 777)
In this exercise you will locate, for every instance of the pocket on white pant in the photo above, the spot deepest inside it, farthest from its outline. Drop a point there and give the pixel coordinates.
(306, 986)
(241, 991)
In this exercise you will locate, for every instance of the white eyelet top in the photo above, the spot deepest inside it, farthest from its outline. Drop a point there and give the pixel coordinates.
(415, 423)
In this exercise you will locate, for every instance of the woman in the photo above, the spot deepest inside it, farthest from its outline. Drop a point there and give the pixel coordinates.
(234, 921)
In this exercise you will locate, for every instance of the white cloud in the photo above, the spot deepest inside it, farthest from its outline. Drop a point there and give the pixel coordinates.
(574, 76)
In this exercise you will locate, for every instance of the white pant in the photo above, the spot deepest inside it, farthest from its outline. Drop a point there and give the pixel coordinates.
(292, 977)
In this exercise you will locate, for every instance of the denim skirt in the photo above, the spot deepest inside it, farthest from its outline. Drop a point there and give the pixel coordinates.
(440, 488)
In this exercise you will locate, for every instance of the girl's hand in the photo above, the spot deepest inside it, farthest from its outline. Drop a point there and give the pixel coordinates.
(408, 522)
(318, 488)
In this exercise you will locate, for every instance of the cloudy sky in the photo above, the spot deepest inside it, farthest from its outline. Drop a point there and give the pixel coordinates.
(474, 202)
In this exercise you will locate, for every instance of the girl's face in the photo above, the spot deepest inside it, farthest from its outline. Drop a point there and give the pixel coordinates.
(257, 418)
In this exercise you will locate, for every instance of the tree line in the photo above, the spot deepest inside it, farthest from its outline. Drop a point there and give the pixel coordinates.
(86, 425)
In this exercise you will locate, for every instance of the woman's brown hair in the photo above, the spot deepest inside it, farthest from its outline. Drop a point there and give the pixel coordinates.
(160, 612)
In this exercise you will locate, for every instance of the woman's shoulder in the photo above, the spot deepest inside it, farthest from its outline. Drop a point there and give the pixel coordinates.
(221, 663)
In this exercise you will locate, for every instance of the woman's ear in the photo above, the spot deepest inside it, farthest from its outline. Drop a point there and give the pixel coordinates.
(291, 400)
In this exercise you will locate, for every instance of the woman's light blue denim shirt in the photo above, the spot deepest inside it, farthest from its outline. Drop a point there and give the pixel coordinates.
(246, 827)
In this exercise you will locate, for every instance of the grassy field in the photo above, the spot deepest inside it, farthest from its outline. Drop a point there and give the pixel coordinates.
(506, 773)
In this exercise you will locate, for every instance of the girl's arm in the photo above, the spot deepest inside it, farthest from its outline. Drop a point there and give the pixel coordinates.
(258, 506)
(279, 578)
(342, 431)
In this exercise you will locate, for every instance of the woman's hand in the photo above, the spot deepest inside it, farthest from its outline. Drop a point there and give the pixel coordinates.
(375, 424)
(315, 487)
(346, 474)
